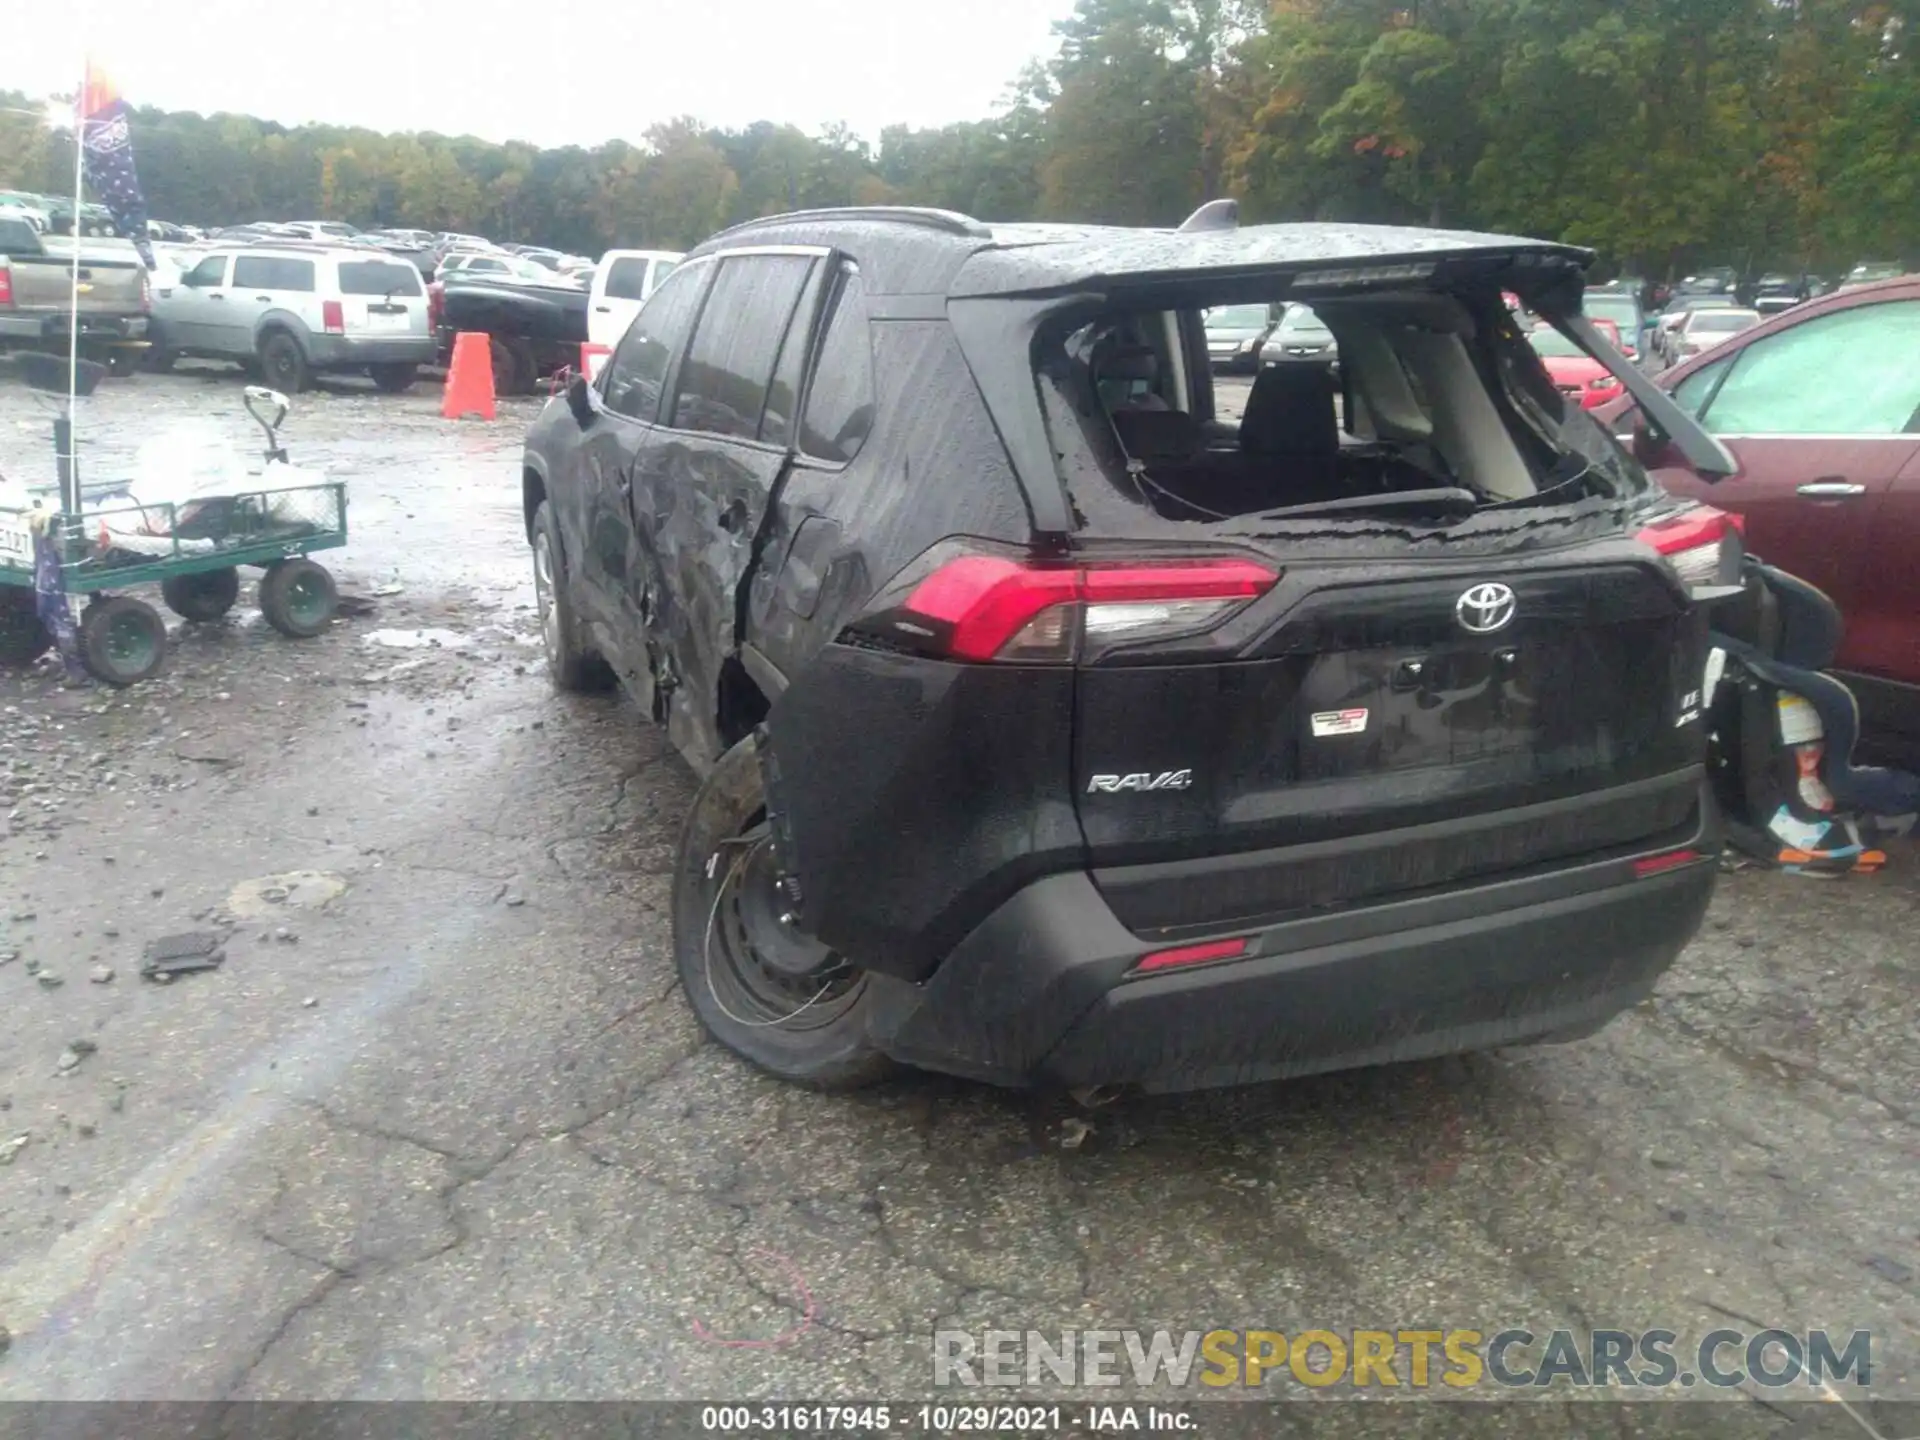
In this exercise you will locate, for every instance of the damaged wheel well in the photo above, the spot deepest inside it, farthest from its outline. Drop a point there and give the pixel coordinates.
(533, 492)
(741, 705)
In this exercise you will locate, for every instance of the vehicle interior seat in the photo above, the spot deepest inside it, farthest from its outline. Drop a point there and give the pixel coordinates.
(1787, 637)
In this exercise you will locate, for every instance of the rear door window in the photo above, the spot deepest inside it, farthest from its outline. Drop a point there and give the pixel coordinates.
(209, 272)
(839, 409)
(627, 278)
(723, 382)
(375, 277)
(637, 374)
(272, 272)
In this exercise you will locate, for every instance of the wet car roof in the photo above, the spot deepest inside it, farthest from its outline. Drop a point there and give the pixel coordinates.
(931, 252)
(1039, 258)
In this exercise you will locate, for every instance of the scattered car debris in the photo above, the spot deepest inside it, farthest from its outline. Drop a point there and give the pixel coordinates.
(183, 954)
(101, 975)
(70, 1058)
(49, 980)
(1074, 1132)
(10, 1148)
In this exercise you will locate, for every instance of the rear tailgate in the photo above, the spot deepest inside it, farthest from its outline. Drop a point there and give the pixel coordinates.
(1358, 737)
(106, 287)
(381, 297)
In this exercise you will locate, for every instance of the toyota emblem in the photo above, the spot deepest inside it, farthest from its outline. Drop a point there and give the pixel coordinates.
(1485, 608)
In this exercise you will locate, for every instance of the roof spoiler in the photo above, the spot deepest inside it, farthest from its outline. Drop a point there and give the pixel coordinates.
(1214, 215)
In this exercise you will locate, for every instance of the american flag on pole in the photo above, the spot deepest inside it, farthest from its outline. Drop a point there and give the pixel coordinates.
(106, 144)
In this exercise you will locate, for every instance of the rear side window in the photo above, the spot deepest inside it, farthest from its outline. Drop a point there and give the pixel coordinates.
(839, 411)
(723, 383)
(375, 277)
(210, 271)
(637, 373)
(272, 272)
(627, 278)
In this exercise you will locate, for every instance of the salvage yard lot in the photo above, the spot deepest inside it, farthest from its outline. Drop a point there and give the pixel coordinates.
(454, 1134)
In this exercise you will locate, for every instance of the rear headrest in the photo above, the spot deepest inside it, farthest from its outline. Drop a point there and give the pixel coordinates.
(1290, 411)
(1159, 434)
(1128, 362)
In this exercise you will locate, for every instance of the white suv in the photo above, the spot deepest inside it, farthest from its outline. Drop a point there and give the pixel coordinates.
(295, 311)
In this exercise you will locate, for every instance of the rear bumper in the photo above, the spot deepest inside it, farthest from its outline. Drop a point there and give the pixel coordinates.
(1039, 993)
(105, 328)
(344, 351)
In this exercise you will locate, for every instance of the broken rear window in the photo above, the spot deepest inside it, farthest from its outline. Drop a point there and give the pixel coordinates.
(1431, 405)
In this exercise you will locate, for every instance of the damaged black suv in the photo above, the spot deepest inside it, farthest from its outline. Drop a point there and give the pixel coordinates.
(1056, 726)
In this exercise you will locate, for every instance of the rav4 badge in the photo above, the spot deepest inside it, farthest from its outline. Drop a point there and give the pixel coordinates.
(1140, 780)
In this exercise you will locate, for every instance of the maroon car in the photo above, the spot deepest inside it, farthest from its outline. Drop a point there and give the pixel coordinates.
(1821, 406)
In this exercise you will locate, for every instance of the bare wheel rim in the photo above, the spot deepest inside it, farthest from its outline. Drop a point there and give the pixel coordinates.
(765, 972)
(543, 598)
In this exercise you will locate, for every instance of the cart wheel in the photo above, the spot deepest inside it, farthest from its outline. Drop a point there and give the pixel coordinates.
(205, 596)
(122, 640)
(298, 598)
(24, 637)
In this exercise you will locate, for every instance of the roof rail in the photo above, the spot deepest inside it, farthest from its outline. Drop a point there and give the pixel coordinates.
(950, 222)
(1214, 215)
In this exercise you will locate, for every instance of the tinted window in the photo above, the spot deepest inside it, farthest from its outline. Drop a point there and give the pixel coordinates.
(377, 277)
(272, 272)
(210, 271)
(627, 278)
(723, 384)
(783, 395)
(839, 409)
(633, 380)
(1855, 372)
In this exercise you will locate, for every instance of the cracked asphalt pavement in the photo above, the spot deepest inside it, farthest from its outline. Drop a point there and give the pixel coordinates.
(452, 1133)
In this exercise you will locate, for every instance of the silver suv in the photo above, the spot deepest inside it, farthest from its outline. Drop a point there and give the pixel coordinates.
(295, 311)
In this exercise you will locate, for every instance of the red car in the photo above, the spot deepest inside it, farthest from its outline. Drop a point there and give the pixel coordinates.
(1577, 374)
(1821, 407)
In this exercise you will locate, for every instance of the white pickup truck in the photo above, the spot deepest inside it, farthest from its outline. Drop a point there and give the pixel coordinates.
(621, 284)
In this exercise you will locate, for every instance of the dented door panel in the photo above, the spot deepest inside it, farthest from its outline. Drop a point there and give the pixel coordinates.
(697, 501)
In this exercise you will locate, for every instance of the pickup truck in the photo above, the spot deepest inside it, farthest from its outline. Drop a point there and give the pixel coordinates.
(36, 277)
(533, 330)
(537, 329)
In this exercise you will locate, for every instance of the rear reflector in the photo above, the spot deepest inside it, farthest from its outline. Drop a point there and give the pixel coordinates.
(1191, 955)
(1660, 864)
(994, 607)
(333, 317)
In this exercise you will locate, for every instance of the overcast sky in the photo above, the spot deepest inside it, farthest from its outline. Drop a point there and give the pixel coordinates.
(554, 74)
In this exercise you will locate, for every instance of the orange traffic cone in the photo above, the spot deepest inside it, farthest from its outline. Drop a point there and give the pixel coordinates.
(469, 378)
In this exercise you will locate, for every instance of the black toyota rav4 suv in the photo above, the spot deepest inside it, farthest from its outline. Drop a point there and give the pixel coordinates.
(1057, 727)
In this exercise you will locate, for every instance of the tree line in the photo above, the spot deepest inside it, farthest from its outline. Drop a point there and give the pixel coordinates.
(1665, 133)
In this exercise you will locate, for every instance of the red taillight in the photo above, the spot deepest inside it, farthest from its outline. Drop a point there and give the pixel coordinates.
(994, 607)
(1191, 955)
(1702, 544)
(333, 317)
(1660, 864)
(6, 286)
